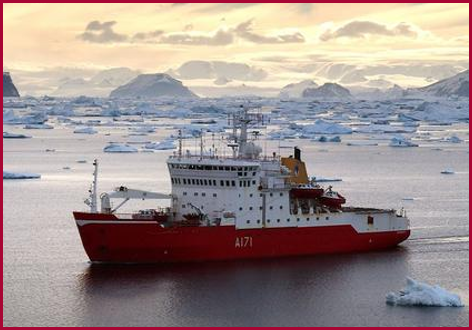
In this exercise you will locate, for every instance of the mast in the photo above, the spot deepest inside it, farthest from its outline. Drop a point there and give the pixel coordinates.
(93, 192)
(180, 144)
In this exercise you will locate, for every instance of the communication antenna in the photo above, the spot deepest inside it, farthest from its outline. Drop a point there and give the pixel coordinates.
(180, 144)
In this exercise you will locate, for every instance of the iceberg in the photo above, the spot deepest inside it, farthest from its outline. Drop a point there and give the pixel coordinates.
(19, 176)
(421, 294)
(85, 130)
(119, 148)
(7, 135)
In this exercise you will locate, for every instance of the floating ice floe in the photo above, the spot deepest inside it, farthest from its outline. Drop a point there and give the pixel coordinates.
(324, 127)
(401, 142)
(421, 294)
(85, 130)
(20, 176)
(38, 126)
(164, 145)
(376, 128)
(321, 179)
(119, 148)
(448, 171)
(327, 139)
(7, 135)
(452, 139)
(362, 144)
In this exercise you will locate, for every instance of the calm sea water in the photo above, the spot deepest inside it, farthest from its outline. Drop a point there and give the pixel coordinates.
(47, 279)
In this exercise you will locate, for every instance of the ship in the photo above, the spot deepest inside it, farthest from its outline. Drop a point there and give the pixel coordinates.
(244, 205)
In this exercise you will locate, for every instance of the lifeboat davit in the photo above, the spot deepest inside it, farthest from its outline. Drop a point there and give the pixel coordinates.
(306, 192)
(332, 199)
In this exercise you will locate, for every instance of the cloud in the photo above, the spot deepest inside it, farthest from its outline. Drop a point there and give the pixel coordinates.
(361, 29)
(147, 36)
(97, 32)
(219, 38)
(245, 31)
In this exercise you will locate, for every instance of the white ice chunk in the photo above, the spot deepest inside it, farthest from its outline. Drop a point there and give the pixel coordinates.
(38, 126)
(7, 135)
(324, 127)
(85, 130)
(448, 171)
(119, 148)
(19, 176)
(164, 145)
(401, 142)
(421, 294)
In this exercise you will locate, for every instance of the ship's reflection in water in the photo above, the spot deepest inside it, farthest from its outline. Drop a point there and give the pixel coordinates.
(304, 291)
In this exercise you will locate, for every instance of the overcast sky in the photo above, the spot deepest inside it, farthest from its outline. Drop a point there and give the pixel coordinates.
(156, 37)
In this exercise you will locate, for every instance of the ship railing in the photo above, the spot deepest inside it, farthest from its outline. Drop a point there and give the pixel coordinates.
(216, 157)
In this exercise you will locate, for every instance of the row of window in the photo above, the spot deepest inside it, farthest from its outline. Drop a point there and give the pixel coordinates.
(288, 220)
(213, 168)
(213, 182)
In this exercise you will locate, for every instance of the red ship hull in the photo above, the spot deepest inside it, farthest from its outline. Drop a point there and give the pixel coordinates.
(111, 240)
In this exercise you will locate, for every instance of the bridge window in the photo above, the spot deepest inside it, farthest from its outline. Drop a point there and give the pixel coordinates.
(204, 194)
(205, 182)
(214, 183)
(183, 206)
(215, 195)
(240, 183)
(250, 195)
(254, 182)
(222, 183)
(258, 221)
(307, 219)
(250, 208)
(233, 183)
(298, 219)
(227, 183)
(195, 194)
(278, 220)
(248, 221)
(185, 193)
(281, 194)
(268, 220)
(327, 218)
(281, 207)
(193, 181)
(288, 220)
(370, 220)
(271, 207)
(185, 181)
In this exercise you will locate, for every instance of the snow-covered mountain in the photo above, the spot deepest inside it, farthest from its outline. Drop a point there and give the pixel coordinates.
(153, 86)
(9, 89)
(328, 91)
(456, 86)
(296, 90)
(99, 85)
